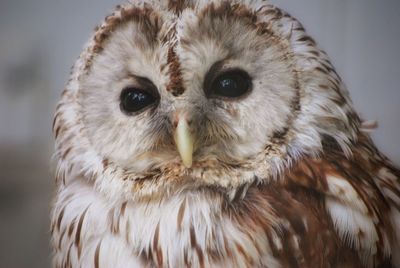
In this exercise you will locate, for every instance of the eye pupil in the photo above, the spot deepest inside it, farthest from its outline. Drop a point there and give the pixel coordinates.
(231, 84)
(134, 100)
(228, 83)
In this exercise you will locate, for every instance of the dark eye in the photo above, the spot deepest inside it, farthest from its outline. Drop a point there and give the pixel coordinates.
(231, 84)
(134, 100)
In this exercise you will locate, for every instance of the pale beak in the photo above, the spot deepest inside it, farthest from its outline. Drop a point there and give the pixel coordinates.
(184, 141)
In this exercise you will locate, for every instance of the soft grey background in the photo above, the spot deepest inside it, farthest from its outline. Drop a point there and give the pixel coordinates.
(39, 41)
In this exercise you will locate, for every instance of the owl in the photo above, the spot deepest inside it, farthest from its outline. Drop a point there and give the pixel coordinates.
(216, 134)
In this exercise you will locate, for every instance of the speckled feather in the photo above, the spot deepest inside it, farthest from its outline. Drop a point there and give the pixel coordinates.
(301, 185)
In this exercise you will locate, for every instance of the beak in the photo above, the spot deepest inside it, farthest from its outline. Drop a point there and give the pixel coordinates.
(184, 141)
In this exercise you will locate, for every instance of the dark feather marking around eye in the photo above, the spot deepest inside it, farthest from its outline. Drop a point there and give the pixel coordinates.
(229, 84)
(137, 98)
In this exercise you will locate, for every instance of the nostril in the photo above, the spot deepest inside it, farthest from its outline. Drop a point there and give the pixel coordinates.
(181, 116)
(175, 120)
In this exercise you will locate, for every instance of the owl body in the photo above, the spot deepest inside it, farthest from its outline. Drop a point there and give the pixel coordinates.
(216, 134)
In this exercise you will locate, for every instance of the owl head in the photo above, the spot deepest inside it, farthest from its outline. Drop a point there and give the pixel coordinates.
(179, 95)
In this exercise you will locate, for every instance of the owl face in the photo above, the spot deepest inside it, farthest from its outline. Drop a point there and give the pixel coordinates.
(201, 94)
(231, 84)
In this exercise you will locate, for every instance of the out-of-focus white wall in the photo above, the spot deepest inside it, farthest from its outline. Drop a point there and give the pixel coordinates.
(39, 41)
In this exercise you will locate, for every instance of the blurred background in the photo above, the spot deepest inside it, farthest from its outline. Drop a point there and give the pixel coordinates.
(39, 41)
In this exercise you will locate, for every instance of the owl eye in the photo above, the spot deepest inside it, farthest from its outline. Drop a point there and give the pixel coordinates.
(134, 99)
(231, 84)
